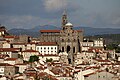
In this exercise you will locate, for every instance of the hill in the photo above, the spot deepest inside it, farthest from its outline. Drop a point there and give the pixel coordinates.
(34, 32)
(108, 38)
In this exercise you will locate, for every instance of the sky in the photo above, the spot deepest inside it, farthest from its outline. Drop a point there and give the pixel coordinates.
(87, 13)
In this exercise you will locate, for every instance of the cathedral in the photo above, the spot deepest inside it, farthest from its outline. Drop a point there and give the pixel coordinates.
(68, 40)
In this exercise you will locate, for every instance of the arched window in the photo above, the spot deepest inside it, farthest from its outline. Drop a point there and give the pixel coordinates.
(62, 49)
(68, 49)
(73, 49)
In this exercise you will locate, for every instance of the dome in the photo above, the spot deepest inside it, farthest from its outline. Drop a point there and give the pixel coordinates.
(68, 24)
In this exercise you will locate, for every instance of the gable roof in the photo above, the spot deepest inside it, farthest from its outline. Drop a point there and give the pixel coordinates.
(30, 50)
(54, 31)
(11, 59)
(9, 49)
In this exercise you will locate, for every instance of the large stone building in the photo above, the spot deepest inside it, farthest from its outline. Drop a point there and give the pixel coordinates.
(68, 40)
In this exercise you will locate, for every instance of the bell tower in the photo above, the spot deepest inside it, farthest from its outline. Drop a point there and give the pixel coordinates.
(64, 19)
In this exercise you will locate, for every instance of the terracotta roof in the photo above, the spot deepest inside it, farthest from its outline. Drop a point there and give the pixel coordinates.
(55, 31)
(94, 67)
(47, 43)
(98, 71)
(95, 49)
(40, 67)
(2, 30)
(62, 71)
(5, 64)
(21, 64)
(2, 56)
(44, 74)
(30, 50)
(101, 60)
(9, 37)
(31, 43)
(11, 59)
(79, 30)
(18, 43)
(50, 55)
(9, 49)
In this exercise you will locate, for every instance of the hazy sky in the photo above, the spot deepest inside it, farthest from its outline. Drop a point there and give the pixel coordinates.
(30, 13)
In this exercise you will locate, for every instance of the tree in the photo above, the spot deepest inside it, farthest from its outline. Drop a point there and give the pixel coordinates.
(33, 58)
(118, 50)
(49, 60)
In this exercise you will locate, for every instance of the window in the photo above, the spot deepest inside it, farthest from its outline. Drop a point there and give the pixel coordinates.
(98, 76)
(73, 49)
(41, 47)
(62, 40)
(44, 47)
(103, 76)
(48, 47)
(55, 47)
(51, 47)
(38, 48)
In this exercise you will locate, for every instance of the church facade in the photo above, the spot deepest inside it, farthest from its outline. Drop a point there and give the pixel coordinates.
(68, 40)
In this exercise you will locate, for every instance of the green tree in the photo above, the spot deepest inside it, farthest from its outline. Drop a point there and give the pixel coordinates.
(33, 58)
(118, 50)
(49, 60)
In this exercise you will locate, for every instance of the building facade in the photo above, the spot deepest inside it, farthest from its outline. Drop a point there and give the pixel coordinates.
(68, 40)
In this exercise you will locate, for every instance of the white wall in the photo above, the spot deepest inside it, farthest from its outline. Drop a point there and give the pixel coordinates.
(47, 49)
(22, 68)
(9, 62)
(1, 71)
(6, 45)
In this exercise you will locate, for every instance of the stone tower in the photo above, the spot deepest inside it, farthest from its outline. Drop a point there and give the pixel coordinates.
(64, 19)
(69, 40)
